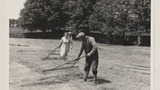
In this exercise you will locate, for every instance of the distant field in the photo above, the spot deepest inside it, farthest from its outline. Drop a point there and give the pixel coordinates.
(120, 67)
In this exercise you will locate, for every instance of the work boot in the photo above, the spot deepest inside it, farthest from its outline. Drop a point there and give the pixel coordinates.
(85, 76)
(95, 80)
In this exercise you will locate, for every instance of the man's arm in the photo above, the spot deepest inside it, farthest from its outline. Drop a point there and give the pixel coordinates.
(81, 50)
(93, 42)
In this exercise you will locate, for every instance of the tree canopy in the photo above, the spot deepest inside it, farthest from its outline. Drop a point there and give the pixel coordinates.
(105, 16)
(44, 15)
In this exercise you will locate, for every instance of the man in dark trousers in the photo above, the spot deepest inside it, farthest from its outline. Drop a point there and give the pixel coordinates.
(90, 47)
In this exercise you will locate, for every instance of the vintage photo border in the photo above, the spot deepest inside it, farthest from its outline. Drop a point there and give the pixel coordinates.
(4, 46)
(155, 50)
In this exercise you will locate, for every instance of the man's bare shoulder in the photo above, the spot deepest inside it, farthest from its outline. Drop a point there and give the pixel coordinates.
(91, 38)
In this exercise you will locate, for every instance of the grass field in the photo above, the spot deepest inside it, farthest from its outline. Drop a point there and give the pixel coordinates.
(120, 67)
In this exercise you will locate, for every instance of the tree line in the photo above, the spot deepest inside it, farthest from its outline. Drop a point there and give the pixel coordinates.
(104, 16)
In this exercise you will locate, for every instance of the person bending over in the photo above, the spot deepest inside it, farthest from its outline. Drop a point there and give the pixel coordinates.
(91, 50)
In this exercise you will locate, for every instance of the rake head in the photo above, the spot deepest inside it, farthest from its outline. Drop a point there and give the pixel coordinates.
(44, 58)
(54, 69)
(44, 72)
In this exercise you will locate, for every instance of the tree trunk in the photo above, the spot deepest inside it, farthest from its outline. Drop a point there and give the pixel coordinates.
(139, 40)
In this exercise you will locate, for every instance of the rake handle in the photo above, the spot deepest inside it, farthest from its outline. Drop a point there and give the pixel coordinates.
(77, 60)
(52, 52)
(56, 67)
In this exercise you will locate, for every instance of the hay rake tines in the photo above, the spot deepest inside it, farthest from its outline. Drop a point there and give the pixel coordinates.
(69, 62)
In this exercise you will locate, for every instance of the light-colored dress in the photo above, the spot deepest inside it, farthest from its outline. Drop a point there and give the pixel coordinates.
(65, 46)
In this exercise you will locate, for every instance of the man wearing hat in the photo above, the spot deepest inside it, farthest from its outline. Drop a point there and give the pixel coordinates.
(90, 47)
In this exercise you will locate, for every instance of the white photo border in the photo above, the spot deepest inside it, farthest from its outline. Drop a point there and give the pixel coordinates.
(155, 42)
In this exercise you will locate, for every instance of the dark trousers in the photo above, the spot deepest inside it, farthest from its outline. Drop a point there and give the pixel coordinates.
(92, 62)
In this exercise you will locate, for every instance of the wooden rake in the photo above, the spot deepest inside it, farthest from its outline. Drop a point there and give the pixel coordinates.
(49, 54)
(69, 62)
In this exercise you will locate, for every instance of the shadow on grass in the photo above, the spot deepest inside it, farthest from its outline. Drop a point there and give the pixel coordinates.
(100, 80)
(49, 58)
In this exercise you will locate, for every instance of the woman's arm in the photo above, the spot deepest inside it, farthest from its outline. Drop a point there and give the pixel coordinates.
(71, 42)
(61, 42)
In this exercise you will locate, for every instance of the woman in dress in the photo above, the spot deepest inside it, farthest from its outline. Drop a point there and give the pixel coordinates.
(65, 45)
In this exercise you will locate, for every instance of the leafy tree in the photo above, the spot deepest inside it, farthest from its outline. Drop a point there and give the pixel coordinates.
(80, 14)
(12, 22)
(43, 15)
(105, 16)
(110, 14)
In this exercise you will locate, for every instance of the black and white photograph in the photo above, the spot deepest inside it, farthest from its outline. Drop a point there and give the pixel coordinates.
(79, 44)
